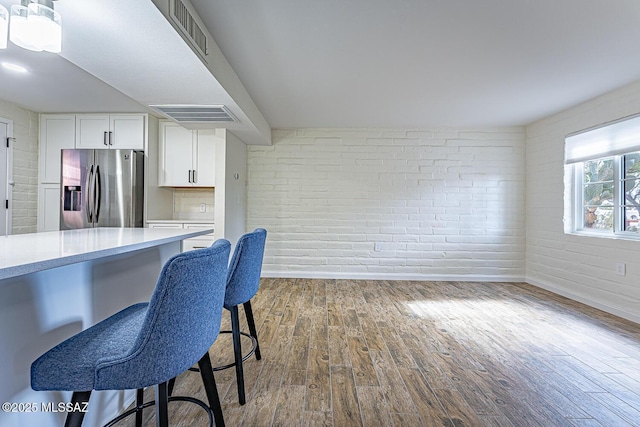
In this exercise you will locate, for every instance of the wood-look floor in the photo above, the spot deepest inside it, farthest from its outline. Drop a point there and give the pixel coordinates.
(390, 353)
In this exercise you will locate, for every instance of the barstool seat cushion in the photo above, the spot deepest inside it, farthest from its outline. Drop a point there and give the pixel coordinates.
(72, 364)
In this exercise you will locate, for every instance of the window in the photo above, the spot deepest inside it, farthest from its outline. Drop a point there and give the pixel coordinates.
(630, 187)
(604, 169)
(598, 190)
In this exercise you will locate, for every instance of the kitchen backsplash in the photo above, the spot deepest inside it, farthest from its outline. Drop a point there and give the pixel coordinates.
(188, 203)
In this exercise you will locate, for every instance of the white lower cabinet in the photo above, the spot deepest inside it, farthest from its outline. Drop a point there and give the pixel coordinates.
(199, 242)
(49, 207)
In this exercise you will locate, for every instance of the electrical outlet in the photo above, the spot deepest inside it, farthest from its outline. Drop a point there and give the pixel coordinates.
(203, 207)
(376, 247)
(621, 268)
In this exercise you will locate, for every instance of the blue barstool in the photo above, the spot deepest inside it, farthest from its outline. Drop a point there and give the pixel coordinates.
(243, 280)
(147, 344)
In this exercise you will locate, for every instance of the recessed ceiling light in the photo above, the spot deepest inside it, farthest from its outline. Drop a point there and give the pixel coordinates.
(14, 67)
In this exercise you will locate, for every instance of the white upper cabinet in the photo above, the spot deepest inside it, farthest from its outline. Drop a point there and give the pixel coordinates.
(176, 155)
(187, 157)
(204, 157)
(57, 132)
(117, 131)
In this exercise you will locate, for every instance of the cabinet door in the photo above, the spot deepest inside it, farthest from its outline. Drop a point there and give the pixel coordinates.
(56, 133)
(92, 131)
(204, 226)
(176, 155)
(49, 207)
(170, 225)
(127, 131)
(205, 158)
(193, 243)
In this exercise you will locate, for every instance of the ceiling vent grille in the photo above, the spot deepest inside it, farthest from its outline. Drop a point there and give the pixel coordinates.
(183, 17)
(197, 113)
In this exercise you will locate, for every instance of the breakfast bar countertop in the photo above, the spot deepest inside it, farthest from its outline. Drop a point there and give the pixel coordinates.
(180, 221)
(22, 254)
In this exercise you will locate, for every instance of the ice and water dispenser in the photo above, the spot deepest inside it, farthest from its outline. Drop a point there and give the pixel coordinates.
(72, 198)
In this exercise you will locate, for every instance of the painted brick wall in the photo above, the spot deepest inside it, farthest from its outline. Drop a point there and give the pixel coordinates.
(25, 167)
(442, 204)
(579, 267)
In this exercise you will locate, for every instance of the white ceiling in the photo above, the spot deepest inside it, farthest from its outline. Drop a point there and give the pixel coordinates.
(337, 63)
(382, 63)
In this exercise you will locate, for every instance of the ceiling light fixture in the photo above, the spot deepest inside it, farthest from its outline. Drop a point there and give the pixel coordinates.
(36, 26)
(4, 26)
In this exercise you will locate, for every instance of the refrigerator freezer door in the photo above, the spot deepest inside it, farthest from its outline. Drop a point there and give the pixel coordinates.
(119, 192)
(76, 189)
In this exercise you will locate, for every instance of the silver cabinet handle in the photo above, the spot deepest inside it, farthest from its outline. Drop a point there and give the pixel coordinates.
(195, 176)
(110, 138)
(104, 138)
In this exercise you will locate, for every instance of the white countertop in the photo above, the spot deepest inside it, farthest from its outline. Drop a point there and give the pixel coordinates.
(28, 253)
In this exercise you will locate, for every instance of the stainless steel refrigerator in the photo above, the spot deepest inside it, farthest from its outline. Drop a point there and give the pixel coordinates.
(101, 188)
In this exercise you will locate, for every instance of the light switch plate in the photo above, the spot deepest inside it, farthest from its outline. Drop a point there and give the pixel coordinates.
(621, 268)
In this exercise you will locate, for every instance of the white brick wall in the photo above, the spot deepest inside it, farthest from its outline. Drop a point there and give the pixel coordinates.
(444, 204)
(579, 267)
(25, 167)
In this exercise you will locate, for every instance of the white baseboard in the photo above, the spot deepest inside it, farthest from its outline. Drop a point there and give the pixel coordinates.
(585, 300)
(390, 276)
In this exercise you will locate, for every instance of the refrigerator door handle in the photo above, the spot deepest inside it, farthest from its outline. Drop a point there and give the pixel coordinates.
(98, 187)
(89, 195)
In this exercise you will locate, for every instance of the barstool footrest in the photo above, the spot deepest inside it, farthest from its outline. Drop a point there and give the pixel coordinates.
(153, 402)
(254, 345)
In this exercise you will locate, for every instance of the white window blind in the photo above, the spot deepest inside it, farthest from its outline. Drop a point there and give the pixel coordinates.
(621, 136)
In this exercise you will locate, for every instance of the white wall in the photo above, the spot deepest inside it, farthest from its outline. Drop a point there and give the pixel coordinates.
(187, 203)
(25, 167)
(444, 204)
(579, 267)
(231, 193)
(235, 188)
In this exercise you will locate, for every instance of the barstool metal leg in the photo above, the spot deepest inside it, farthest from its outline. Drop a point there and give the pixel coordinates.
(237, 353)
(74, 419)
(139, 403)
(252, 326)
(209, 381)
(172, 383)
(162, 407)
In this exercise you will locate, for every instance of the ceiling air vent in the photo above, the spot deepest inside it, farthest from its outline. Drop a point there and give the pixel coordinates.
(197, 113)
(183, 16)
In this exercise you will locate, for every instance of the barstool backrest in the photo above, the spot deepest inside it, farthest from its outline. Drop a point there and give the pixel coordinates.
(243, 277)
(181, 323)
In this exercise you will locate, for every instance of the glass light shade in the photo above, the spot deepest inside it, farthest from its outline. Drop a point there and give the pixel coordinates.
(46, 25)
(4, 26)
(20, 32)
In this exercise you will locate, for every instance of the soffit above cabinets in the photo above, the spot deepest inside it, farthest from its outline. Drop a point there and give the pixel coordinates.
(122, 56)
